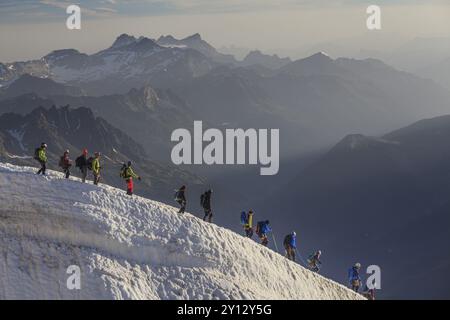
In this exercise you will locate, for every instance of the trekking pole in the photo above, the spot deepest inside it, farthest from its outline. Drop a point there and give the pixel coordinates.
(301, 258)
(275, 242)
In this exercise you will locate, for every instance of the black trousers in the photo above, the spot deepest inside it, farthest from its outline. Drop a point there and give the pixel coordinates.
(182, 203)
(96, 178)
(43, 168)
(83, 174)
(67, 172)
(208, 214)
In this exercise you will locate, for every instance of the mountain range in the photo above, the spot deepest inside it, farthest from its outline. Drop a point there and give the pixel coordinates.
(313, 100)
(128, 63)
(76, 129)
(256, 57)
(364, 198)
(383, 200)
(196, 42)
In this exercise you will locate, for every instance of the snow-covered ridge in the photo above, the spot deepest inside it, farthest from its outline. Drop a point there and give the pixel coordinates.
(131, 248)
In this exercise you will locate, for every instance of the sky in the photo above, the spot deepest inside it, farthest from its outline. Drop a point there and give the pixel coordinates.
(32, 28)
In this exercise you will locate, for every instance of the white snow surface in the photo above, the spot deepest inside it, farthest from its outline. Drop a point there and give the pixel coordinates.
(131, 248)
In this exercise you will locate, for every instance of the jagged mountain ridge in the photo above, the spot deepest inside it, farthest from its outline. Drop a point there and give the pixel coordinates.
(149, 115)
(75, 129)
(129, 63)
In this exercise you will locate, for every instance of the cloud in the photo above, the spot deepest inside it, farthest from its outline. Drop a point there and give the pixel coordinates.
(55, 9)
(158, 7)
(86, 9)
(104, 9)
(55, 3)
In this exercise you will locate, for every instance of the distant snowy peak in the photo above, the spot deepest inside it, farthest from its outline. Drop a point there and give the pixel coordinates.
(66, 57)
(129, 62)
(319, 56)
(194, 39)
(126, 43)
(10, 72)
(166, 39)
(322, 53)
(61, 54)
(144, 44)
(196, 42)
(123, 40)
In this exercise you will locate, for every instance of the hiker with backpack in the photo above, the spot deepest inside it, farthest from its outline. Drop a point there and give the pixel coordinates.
(82, 163)
(128, 174)
(40, 154)
(65, 163)
(314, 261)
(181, 198)
(247, 223)
(290, 245)
(205, 202)
(369, 294)
(354, 278)
(96, 167)
(262, 229)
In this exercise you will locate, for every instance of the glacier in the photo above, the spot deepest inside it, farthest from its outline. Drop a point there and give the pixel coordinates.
(131, 248)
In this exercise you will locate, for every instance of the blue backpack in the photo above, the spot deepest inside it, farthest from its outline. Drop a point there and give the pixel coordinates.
(244, 219)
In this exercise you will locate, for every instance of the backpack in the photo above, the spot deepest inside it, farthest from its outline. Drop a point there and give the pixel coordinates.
(36, 154)
(202, 199)
(244, 219)
(89, 163)
(123, 172)
(259, 227)
(287, 240)
(61, 162)
(176, 195)
(78, 162)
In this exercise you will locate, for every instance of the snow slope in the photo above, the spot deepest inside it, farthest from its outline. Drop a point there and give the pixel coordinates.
(131, 248)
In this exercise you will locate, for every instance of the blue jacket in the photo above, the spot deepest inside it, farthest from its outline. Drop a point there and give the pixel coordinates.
(293, 242)
(353, 274)
(265, 228)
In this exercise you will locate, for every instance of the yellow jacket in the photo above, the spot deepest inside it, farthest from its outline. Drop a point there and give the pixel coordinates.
(129, 173)
(96, 166)
(250, 221)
